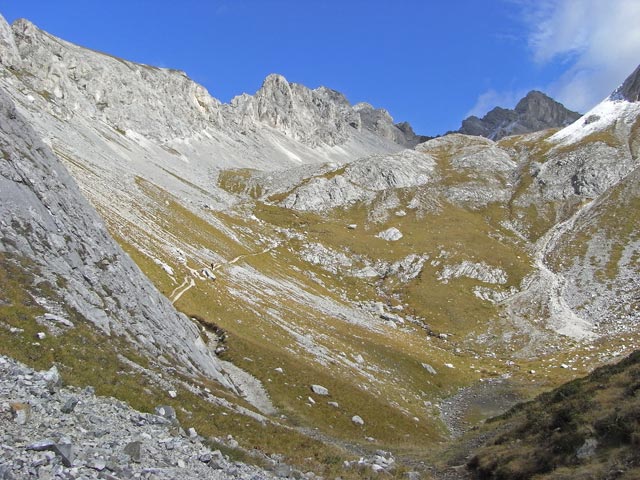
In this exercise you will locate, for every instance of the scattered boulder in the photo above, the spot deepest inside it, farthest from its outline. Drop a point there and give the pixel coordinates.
(429, 368)
(134, 451)
(390, 235)
(66, 453)
(20, 412)
(52, 379)
(319, 390)
(69, 405)
(282, 470)
(588, 449)
(58, 319)
(166, 411)
(208, 274)
(357, 419)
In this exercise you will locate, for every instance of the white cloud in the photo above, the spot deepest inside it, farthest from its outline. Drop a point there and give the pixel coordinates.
(492, 98)
(597, 40)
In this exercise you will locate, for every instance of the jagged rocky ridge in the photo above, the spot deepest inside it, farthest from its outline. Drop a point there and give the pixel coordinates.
(536, 111)
(86, 83)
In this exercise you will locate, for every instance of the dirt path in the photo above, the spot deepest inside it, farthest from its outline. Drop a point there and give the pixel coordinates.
(189, 282)
(190, 285)
(215, 268)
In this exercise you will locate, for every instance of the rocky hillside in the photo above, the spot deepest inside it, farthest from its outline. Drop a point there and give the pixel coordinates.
(65, 245)
(346, 288)
(535, 112)
(49, 430)
(585, 429)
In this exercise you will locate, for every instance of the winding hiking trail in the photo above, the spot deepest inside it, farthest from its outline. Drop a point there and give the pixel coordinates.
(190, 284)
(215, 268)
(189, 281)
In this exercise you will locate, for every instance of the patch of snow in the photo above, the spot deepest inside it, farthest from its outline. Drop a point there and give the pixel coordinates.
(603, 115)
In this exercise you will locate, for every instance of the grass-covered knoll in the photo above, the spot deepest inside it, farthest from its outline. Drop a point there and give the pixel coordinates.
(586, 429)
(237, 181)
(448, 234)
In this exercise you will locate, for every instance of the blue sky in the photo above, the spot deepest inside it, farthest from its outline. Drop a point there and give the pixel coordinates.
(428, 62)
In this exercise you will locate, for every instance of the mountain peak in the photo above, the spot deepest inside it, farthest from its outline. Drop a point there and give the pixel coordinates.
(532, 98)
(535, 111)
(274, 79)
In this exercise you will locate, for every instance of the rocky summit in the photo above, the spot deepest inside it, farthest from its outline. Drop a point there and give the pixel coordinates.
(292, 281)
(535, 112)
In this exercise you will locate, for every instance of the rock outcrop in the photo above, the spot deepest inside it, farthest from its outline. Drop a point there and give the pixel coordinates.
(315, 117)
(361, 180)
(536, 111)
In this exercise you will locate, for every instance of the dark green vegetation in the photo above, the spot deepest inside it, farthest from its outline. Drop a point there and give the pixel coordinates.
(588, 428)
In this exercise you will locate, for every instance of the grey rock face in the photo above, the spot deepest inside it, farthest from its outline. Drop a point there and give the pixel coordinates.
(360, 180)
(46, 219)
(111, 89)
(478, 271)
(534, 112)
(607, 300)
(380, 122)
(630, 89)
(313, 117)
(9, 55)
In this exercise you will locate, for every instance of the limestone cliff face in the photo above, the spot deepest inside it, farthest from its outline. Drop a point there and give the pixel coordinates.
(158, 103)
(9, 56)
(315, 117)
(164, 104)
(157, 109)
(46, 220)
(533, 113)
